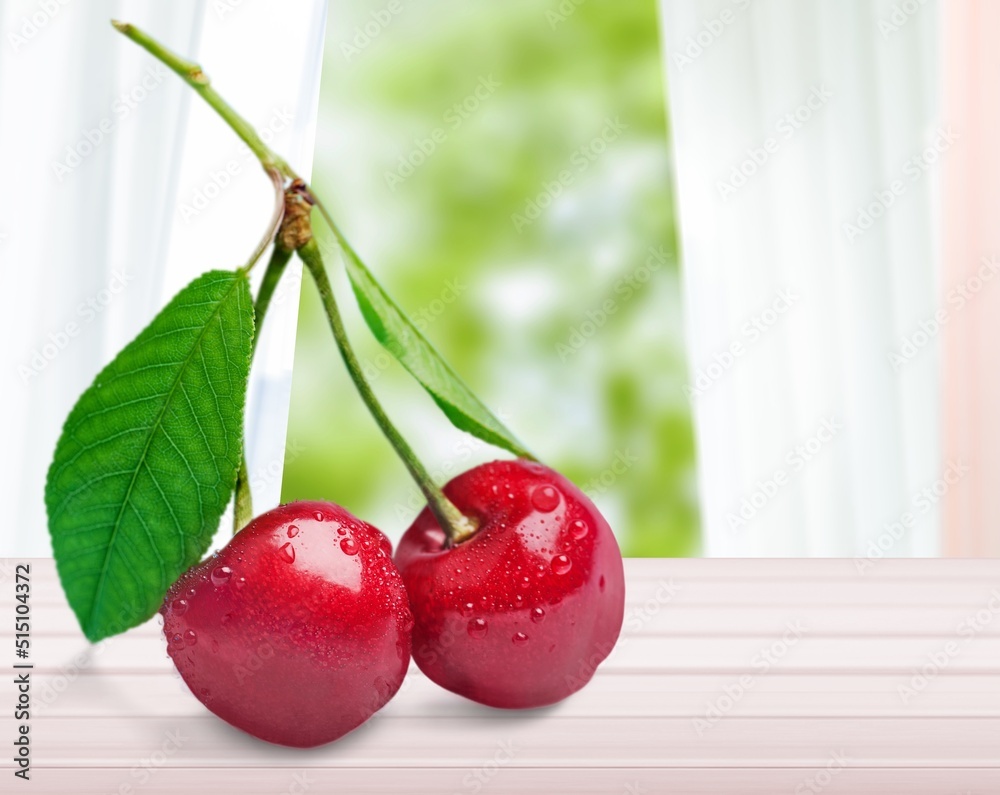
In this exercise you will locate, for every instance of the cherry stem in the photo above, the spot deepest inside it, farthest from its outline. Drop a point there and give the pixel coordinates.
(193, 75)
(243, 507)
(243, 504)
(272, 275)
(456, 525)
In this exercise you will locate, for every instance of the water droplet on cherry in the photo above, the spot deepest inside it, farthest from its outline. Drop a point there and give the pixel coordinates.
(350, 546)
(240, 582)
(190, 637)
(478, 628)
(287, 553)
(561, 564)
(179, 606)
(545, 498)
(537, 615)
(519, 639)
(292, 531)
(579, 529)
(221, 575)
(319, 516)
(468, 609)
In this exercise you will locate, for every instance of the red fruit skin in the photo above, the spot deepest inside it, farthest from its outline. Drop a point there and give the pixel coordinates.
(528, 516)
(296, 652)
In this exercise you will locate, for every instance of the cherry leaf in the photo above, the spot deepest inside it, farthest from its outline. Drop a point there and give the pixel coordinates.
(147, 459)
(407, 344)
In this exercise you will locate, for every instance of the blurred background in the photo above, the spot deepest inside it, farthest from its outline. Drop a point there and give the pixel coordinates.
(505, 171)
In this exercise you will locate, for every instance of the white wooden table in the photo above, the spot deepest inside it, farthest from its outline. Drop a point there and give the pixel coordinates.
(733, 676)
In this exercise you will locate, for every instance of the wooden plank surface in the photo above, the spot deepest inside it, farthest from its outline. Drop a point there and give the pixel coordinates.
(733, 676)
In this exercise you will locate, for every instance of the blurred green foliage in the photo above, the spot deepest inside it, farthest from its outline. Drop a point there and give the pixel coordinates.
(516, 226)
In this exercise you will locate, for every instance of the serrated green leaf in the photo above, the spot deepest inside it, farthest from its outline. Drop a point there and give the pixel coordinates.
(403, 340)
(148, 457)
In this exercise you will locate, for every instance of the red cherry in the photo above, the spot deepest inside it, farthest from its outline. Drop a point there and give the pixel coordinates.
(291, 633)
(520, 614)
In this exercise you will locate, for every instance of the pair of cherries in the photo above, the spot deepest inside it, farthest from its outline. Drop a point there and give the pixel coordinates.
(302, 627)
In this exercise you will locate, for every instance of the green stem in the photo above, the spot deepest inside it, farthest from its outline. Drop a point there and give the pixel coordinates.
(342, 240)
(243, 507)
(457, 526)
(193, 75)
(275, 268)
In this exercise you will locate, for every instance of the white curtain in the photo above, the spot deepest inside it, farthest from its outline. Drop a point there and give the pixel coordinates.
(808, 141)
